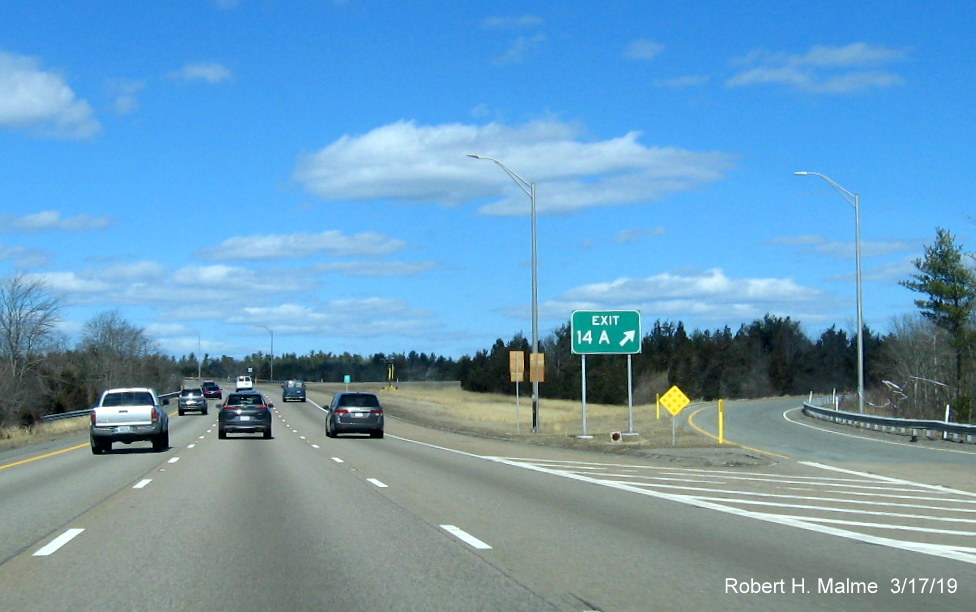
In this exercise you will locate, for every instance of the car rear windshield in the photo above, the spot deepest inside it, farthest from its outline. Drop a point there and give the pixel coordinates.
(128, 398)
(245, 400)
(186, 392)
(359, 401)
(294, 384)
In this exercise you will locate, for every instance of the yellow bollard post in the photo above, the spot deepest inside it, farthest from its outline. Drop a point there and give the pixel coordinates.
(721, 421)
(657, 404)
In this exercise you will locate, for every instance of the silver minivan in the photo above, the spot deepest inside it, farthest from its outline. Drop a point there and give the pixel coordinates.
(354, 412)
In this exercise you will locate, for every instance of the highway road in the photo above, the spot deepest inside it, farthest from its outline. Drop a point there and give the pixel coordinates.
(428, 520)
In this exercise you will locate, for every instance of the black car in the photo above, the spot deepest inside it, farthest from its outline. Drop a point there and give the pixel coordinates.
(193, 399)
(244, 412)
(354, 412)
(212, 390)
(293, 390)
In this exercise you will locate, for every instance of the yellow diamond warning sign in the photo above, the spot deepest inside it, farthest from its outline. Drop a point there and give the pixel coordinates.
(674, 400)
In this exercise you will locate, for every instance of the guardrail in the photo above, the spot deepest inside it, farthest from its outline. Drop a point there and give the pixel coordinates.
(47, 418)
(956, 432)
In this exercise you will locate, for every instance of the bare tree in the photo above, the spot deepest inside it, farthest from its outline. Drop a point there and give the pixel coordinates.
(922, 360)
(116, 349)
(28, 316)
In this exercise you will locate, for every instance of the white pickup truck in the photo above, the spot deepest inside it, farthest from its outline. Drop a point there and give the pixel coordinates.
(129, 415)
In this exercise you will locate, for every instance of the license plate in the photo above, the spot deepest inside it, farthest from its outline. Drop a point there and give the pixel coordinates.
(245, 418)
(358, 415)
(123, 429)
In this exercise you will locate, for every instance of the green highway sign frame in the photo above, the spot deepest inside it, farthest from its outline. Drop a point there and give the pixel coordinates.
(606, 332)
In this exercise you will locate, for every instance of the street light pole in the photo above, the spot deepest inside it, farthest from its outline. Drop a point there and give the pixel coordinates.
(271, 331)
(854, 200)
(199, 359)
(529, 190)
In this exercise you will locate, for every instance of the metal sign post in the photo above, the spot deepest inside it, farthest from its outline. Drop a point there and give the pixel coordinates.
(606, 332)
(674, 400)
(516, 371)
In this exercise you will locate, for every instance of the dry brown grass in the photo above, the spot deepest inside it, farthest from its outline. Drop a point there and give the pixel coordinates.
(560, 416)
(13, 437)
(453, 408)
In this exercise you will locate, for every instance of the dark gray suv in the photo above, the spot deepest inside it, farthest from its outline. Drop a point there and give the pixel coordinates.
(354, 413)
(193, 399)
(244, 412)
(293, 390)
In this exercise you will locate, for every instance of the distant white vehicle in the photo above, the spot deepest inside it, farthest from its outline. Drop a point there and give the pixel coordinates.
(244, 383)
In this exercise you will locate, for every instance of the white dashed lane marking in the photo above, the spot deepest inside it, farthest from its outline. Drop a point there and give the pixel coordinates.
(57, 543)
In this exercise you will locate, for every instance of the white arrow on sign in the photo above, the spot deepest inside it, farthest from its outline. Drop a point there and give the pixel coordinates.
(628, 337)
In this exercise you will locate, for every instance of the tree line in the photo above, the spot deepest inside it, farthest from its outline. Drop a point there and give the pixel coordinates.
(40, 374)
(921, 365)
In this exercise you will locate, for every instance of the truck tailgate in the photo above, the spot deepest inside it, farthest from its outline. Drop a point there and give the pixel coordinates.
(123, 415)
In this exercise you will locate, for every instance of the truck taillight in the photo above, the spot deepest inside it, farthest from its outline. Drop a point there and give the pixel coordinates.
(92, 417)
(341, 411)
(155, 414)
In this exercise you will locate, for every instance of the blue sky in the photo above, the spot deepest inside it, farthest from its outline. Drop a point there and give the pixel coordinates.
(220, 171)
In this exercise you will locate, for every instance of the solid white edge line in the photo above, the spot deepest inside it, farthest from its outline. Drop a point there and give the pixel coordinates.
(946, 552)
(940, 488)
(465, 537)
(57, 543)
(142, 483)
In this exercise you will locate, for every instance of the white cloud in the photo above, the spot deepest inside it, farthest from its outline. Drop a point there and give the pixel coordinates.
(378, 268)
(708, 295)
(856, 54)
(137, 271)
(40, 100)
(296, 246)
(125, 94)
(24, 258)
(50, 220)
(822, 69)
(72, 283)
(846, 249)
(356, 318)
(643, 49)
(407, 162)
(711, 285)
(520, 47)
(211, 72)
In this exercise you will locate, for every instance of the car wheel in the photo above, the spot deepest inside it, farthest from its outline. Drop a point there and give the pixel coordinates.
(204, 412)
(182, 412)
(267, 434)
(376, 434)
(221, 434)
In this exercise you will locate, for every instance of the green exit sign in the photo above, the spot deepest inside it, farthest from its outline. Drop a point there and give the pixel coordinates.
(606, 332)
